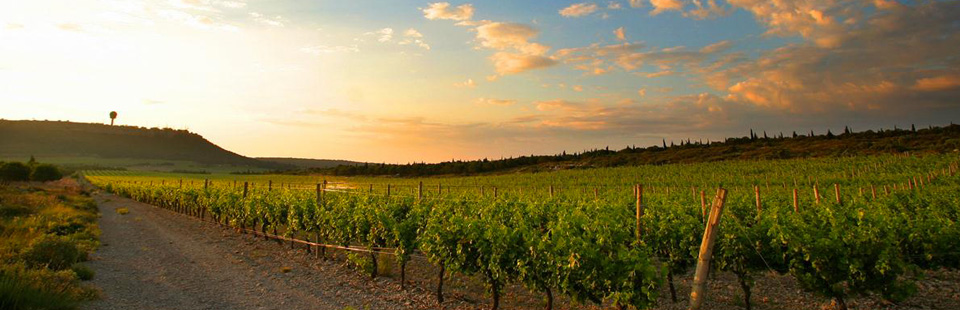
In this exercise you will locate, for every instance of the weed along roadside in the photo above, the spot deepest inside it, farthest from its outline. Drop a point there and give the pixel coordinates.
(48, 230)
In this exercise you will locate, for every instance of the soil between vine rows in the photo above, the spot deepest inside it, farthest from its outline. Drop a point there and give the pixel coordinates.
(156, 259)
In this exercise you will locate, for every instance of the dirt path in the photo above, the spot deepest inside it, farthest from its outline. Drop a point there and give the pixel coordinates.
(156, 259)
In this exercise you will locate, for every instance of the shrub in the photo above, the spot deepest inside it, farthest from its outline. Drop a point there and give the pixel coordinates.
(83, 271)
(18, 294)
(14, 171)
(45, 173)
(52, 252)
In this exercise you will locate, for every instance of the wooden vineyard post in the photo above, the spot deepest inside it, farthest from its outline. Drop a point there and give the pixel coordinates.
(796, 201)
(551, 191)
(699, 290)
(439, 189)
(245, 184)
(886, 190)
(181, 183)
(596, 194)
(910, 182)
(873, 191)
(836, 191)
(206, 184)
(639, 191)
(319, 195)
(388, 190)
(269, 185)
(420, 191)
(756, 190)
(495, 192)
(703, 206)
(816, 193)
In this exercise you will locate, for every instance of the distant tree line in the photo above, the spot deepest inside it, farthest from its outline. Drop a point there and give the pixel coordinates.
(30, 171)
(757, 145)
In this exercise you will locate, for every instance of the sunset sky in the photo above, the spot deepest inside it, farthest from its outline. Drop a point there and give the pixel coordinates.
(400, 81)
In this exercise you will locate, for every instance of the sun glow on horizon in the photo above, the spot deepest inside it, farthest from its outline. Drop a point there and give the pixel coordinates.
(411, 81)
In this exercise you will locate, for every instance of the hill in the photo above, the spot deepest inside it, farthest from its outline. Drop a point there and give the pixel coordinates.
(307, 163)
(752, 147)
(105, 145)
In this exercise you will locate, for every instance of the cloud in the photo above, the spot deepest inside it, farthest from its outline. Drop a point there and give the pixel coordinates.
(636, 3)
(620, 34)
(70, 27)
(276, 21)
(414, 37)
(716, 47)
(491, 101)
(318, 50)
(233, 4)
(577, 88)
(469, 83)
(938, 83)
(613, 5)
(579, 9)
(660, 6)
(383, 35)
(501, 36)
(558, 104)
(711, 10)
(869, 71)
(642, 92)
(660, 74)
(512, 63)
(442, 10)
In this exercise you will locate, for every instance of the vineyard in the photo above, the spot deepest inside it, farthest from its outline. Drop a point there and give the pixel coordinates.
(841, 227)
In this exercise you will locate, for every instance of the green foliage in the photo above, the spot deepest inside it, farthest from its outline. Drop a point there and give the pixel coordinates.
(83, 272)
(14, 171)
(45, 172)
(54, 252)
(579, 239)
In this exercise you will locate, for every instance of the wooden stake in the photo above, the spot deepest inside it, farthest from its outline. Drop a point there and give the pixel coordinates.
(388, 190)
(551, 191)
(596, 194)
(816, 193)
(639, 211)
(703, 206)
(756, 190)
(494, 192)
(836, 190)
(699, 290)
(319, 195)
(796, 201)
(245, 189)
(420, 191)
(270, 186)
(873, 191)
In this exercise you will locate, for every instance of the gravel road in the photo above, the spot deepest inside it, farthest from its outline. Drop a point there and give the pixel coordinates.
(152, 258)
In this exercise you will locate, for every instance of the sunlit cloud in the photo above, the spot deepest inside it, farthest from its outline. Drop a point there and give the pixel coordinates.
(620, 34)
(579, 9)
(660, 6)
(491, 101)
(443, 10)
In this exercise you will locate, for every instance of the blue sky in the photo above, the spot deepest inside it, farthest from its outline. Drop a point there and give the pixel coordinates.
(402, 81)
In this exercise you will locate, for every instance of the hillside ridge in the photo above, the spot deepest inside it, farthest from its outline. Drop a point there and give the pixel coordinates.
(72, 139)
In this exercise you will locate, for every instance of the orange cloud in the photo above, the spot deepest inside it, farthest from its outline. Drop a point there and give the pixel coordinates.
(938, 83)
(491, 101)
(579, 9)
(621, 35)
(512, 63)
(660, 6)
(443, 10)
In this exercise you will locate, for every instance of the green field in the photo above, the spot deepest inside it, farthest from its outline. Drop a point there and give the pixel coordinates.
(841, 227)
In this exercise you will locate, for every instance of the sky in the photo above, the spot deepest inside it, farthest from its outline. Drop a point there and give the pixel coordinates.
(417, 81)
